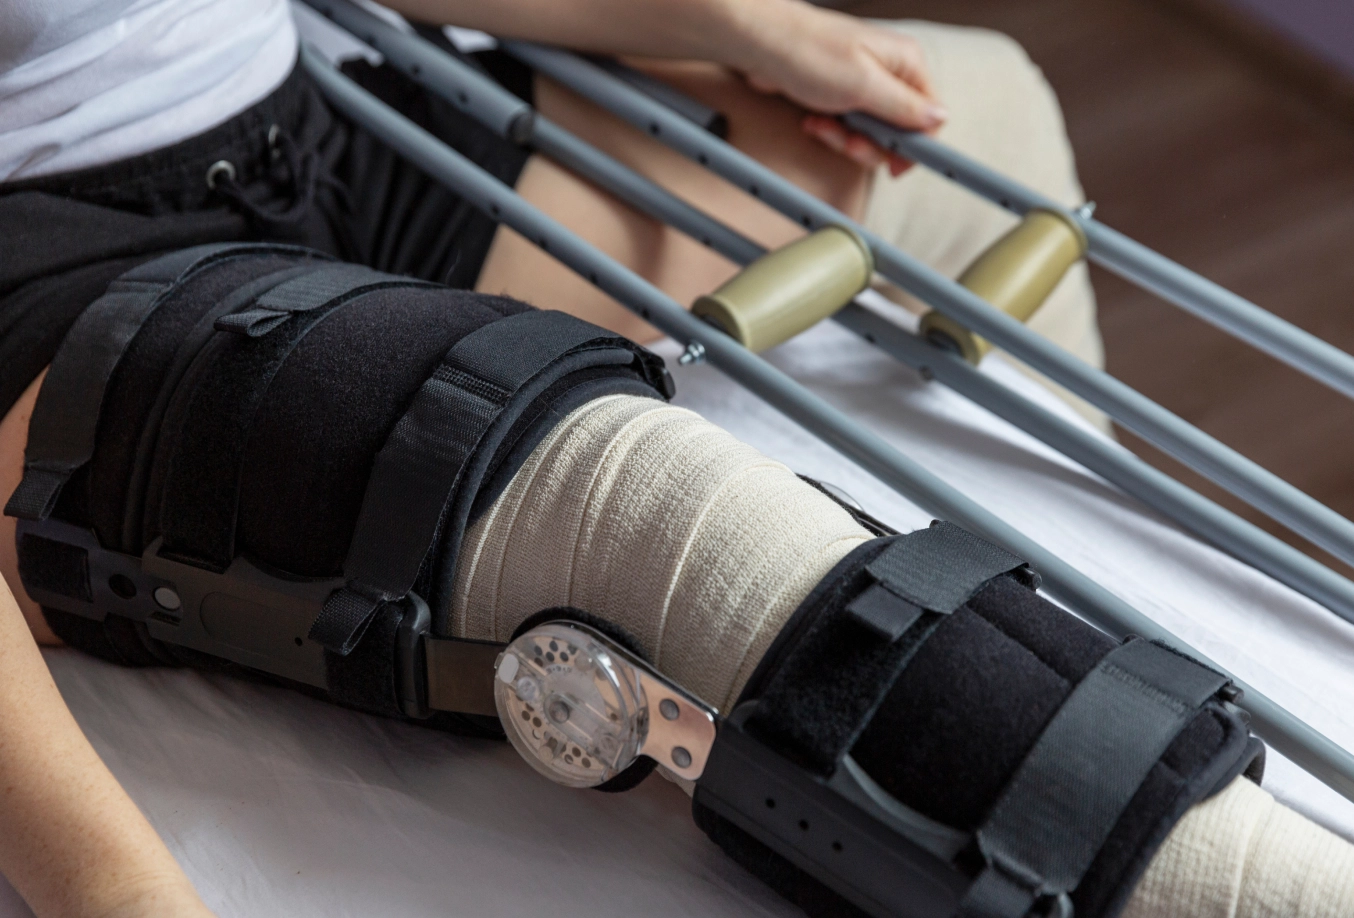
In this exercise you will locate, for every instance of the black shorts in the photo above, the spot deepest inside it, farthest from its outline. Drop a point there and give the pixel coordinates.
(303, 174)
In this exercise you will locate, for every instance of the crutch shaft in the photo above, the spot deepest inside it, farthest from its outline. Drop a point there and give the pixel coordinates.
(1132, 260)
(1191, 446)
(1286, 733)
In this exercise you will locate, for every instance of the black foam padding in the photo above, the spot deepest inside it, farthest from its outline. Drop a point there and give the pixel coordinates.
(328, 411)
(138, 379)
(963, 715)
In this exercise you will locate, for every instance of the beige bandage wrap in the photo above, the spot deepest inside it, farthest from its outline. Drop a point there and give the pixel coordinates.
(1242, 854)
(655, 519)
(660, 522)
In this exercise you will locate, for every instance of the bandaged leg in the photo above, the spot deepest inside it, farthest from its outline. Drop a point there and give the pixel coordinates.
(256, 457)
(662, 523)
(656, 520)
(1242, 854)
(1003, 114)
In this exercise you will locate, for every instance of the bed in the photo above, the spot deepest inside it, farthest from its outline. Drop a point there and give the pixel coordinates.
(278, 804)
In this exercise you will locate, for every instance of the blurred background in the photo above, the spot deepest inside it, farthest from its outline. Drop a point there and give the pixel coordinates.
(1220, 132)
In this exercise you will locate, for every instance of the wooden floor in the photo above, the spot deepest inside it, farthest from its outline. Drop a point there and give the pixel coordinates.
(1193, 146)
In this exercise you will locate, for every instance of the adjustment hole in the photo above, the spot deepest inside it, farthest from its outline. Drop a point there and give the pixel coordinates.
(298, 641)
(770, 803)
(703, 159)
(755, 191)
(493, 209)
(122, 586)
(1005, 203)
(837, 846)
(804, 824)
(654, 128)
(463, 98)
(415, 69)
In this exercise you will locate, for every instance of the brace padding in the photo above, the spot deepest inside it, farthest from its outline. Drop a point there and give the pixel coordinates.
(965, 711)
(242, 422)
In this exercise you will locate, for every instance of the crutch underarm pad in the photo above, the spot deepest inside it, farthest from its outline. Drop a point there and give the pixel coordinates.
(1058, 757)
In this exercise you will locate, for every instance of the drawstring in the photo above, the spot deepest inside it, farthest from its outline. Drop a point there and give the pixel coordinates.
(303, 174)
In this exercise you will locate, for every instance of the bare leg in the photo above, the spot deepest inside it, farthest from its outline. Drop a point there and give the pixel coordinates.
(13, 437)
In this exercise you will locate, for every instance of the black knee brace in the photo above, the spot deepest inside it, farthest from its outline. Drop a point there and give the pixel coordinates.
(929, 737)
(253, 454)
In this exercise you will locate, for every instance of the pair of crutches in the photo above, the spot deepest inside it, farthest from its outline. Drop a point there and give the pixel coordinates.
(945, 355)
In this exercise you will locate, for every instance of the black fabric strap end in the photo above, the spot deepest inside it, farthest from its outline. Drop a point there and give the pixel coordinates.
(35, 497)
(883, 612)
(343, 620)
(252, 323)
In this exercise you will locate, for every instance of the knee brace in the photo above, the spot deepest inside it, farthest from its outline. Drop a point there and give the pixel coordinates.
(253, 455)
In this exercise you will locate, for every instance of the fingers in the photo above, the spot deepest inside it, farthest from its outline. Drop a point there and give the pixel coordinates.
(833, 134)
(898, 102)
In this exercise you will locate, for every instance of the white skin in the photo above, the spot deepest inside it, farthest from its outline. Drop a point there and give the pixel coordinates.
(71, 841)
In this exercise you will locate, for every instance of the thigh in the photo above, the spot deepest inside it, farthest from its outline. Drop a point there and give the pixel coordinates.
(762, 126)
(13, 437)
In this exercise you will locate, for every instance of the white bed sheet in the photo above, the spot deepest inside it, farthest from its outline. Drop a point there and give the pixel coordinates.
(277, 804)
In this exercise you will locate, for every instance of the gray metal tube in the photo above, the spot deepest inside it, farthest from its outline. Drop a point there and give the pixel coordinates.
(1211, 522)
(1293, 738)
(1222, 528)
(1132, 260)
(491, 105)
(1215, 461)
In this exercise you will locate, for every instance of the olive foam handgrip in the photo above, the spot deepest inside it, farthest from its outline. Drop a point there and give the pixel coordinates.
(791, 289)
(1015, 274)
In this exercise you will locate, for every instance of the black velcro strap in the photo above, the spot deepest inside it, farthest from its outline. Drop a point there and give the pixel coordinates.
(65, 419)
(304, 294)
(1075, 783)
(941, 567)
(829, 686)
(441, 447)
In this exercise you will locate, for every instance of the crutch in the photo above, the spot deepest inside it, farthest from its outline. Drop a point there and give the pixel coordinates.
(1165, 430)
(463, 85)
(1290, 736)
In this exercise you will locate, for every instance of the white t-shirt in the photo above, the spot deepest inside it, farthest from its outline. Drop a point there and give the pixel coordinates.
(87, 82)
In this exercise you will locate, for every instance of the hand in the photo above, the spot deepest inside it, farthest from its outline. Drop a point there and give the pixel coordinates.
(832, 63)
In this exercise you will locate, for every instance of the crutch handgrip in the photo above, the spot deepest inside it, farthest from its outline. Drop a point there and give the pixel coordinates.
(790, 289)
(1015, 274)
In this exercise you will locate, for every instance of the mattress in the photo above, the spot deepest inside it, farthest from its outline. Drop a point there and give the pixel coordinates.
(279, 804)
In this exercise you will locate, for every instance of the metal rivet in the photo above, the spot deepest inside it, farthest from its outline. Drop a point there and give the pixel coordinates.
(166, 598)
(694, 353)
(668, 708)
(680, 757)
